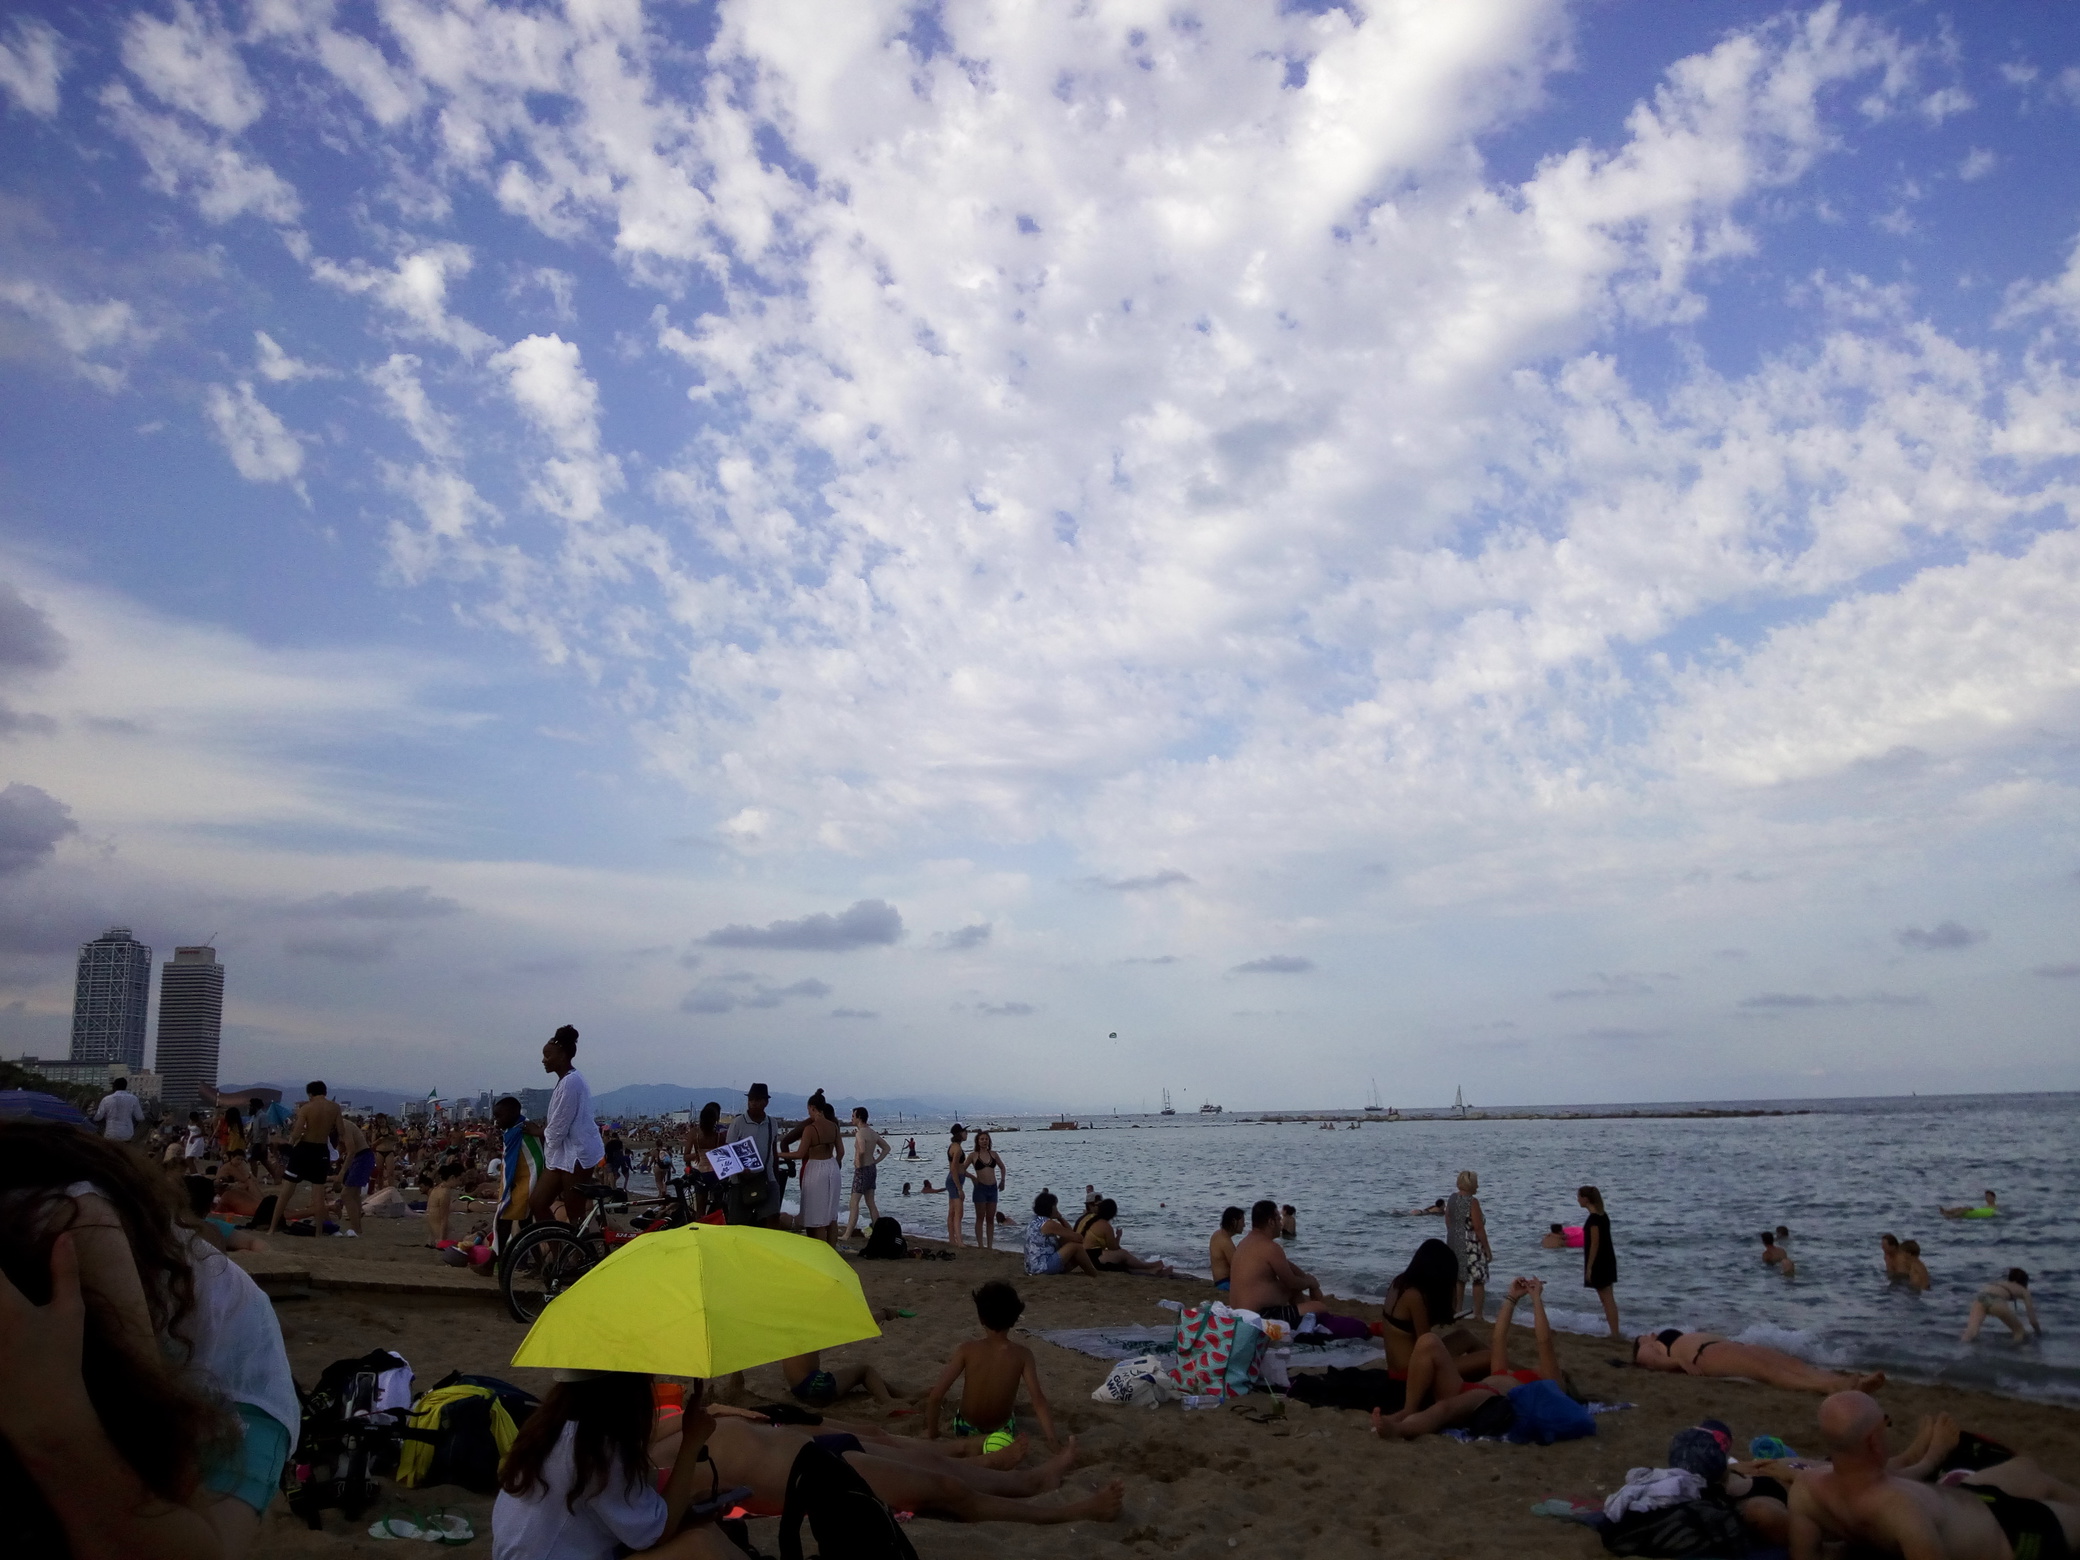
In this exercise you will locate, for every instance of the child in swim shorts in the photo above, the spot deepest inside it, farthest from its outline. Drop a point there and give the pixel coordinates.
(991, 1369)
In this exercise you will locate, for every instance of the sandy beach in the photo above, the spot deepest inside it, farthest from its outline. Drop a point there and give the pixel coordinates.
(1198, 1483)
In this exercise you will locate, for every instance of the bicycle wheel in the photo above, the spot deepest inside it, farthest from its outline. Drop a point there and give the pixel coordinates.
(542, 1264)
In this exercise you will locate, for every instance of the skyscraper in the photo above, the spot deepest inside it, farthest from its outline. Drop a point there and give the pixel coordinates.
(108, 1001)
(191, 1023)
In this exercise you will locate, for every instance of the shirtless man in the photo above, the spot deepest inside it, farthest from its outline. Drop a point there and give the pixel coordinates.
(1986, 1210)
(310, 1157)
(357, 1165)
(907, 1477)
(1262, 1278)
(1895, 1262)
(808, 1382)
(1708, 1354)
(956, 1156)
(1777, 1256)
(869, 1148)
(2013, 1511)
(1220, 1251)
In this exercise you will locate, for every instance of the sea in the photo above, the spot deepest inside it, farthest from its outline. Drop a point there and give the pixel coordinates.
(1688, 1196)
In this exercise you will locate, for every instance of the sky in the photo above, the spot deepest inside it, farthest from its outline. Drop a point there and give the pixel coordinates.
(1044, 554)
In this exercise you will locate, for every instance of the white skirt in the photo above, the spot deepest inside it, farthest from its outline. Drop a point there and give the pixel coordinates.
(819, 1193)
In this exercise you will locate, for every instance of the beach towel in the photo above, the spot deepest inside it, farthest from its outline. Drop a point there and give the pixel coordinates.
(1127, 1340)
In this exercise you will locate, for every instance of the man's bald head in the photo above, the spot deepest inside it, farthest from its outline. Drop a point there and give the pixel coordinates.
(1848, 1420)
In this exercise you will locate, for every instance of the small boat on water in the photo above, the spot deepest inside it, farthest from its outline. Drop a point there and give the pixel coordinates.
(1209, 1109)
(1373, 1105)
(1168, 1108)
(1065, 1124)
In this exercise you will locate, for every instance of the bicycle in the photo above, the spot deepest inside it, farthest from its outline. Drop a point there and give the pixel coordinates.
(546, 1259)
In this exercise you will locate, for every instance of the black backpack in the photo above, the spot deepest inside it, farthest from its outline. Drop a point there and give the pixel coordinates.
(886, 1240)
(847, 1518)
(1705, 1529)
(345, 1442)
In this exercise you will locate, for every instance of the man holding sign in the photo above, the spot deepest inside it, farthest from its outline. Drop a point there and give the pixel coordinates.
(750, 1179)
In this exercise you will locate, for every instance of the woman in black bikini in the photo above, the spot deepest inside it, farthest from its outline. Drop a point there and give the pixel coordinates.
(1708, 1354)
(985, 1168)
(1417, 1300)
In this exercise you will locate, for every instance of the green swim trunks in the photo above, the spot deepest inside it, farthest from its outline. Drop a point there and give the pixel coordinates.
(992, 1440)
(252, 1470)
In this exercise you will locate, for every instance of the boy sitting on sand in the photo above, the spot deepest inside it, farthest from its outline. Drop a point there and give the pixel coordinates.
(994, 1367)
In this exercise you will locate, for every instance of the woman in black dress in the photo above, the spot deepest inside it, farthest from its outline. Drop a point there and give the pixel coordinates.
(1599, 1261)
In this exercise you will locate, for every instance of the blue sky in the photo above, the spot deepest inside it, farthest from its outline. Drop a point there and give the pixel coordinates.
(1517, 545)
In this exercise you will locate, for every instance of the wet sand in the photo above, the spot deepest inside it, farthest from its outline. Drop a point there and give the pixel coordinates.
(1201, 1483)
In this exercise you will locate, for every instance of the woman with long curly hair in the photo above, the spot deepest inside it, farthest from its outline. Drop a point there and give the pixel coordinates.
(132, 1357)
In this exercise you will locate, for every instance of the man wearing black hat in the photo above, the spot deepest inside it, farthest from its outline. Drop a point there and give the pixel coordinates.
(763, 1133)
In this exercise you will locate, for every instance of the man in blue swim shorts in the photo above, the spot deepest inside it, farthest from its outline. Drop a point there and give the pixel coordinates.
(810, 1384)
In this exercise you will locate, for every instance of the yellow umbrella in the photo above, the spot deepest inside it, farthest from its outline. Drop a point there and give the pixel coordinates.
(702, 1300)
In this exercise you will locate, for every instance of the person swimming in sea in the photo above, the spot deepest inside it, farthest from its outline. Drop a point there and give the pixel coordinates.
(1776, 1256)
(1990, 1209)
(1895, 1262)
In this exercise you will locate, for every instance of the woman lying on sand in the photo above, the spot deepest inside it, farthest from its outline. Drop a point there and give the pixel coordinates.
(1708, 1354)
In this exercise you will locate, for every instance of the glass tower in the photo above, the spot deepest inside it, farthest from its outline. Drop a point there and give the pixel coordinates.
(108, 1001)
(191, 1024)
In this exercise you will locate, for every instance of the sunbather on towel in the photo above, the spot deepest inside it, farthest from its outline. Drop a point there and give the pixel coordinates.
(1439, 1397)
(907, 1474)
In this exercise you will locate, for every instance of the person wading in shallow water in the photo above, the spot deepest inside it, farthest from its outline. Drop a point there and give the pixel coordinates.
(1599, 1261)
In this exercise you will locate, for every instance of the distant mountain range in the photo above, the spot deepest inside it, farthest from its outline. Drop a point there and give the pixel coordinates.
(647, 1099)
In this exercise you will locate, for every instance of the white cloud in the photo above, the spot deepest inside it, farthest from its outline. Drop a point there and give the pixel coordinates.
(404, 396)
(1977, 164)
(259, 443)
(223, 181)
(83, 331)
(414, 292)
(187, 63)
(31, 65)
(274, 365)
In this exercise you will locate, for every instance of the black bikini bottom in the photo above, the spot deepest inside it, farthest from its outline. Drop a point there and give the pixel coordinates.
(2033, 1528)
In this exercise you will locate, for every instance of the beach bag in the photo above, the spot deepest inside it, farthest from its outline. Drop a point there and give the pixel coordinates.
(460, 1431)
(347, 1437)
(844, 1514)
(1143, 1380)
(1216, 1352)
(886, 1240)
(1688, 1530)
(1546, 1414)
(750, 1199)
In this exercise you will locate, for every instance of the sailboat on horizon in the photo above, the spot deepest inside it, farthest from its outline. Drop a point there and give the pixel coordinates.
(1372, 1101)
(1459, 1102)
(1168, 1108)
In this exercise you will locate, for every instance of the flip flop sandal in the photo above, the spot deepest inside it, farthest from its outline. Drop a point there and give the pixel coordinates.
(448, 1527)
(405, 1526)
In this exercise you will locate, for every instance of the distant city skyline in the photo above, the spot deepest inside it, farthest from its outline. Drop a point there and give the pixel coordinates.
(1049, 553)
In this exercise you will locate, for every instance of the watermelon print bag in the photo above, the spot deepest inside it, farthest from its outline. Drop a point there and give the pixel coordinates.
(1216, 1352)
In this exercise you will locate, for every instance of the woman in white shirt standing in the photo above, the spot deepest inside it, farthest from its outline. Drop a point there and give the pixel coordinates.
(579, 1483)
(570, 1138)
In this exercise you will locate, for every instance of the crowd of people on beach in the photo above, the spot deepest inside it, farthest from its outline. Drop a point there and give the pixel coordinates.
(148, 1409)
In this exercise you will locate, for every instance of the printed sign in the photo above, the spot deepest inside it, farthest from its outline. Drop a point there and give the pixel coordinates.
(735, 1158)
